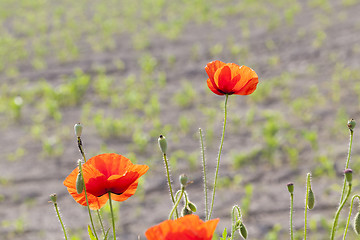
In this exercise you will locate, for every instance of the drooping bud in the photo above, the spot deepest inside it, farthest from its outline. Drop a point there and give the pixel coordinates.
(192, 206)
(183, 179)
(78, 129)
(186, 211)
(243, 231)
(53, 198)
(357, 223)
(162, 144)
(348, 175)
(290, 187)
(351, 124)
(311, 199)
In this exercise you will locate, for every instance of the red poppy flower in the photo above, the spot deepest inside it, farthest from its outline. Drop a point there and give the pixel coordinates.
(106, 173)
(229, 78)
(189, 227)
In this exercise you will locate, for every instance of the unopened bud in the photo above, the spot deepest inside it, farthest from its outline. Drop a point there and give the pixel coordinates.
(183, 179)
(78, 129)
(243, 231)
(290, 187)
(162, 144)
(357, 223)
(79, 183)
(192, 206)
(186, 211)
(311, 199)
(53, 197)
(348, 175)
(351, 124)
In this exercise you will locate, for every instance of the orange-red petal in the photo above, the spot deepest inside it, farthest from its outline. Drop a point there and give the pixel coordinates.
(248, 82)
(110, 164)
(213, 88)
(189, 227)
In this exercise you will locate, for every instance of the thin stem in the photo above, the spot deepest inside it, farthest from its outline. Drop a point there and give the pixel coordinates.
(347, 164)
(218, 160)
(291, 215)
(81, 149)
(306, 202)
(177, 202)
(336, 218)
(348, 220)
(112, 216)
(169, 183)
(234, 219)
(101, 223)
(204, 171)
(87, 201)
(61, 222)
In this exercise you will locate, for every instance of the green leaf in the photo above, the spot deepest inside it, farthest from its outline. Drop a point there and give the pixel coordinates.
(91, 235)
(224, 235)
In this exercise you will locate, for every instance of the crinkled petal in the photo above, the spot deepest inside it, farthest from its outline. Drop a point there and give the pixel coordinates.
(110, 164)
(248, 81)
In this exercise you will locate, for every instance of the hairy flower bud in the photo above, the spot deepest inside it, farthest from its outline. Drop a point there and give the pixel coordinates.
(311, 199)
(357, 223)
(162, 144)
(78, 129)
(183, 179)
(53, 197)
(348, 175)
(79, 183)
(243, 231)
(192, 206)
(290, 187)
(186, 211)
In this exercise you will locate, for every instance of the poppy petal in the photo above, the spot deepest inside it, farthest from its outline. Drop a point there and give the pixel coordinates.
(128, 193)
(223, 78)
(247, 75)
(211, 69)
(213, 88)
(110, 163)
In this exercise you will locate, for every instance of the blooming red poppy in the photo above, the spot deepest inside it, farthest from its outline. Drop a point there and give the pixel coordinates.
(230, 78)
(189, 227)
(106, 173)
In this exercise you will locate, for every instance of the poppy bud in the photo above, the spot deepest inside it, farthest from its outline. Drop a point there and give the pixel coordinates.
(186, 211)
(357, 223)
(311, 199)
(243, 231)
(290, 187)
(162, 144)
(53, 197)
(78, 129)
(192, 206)
(183, 179)
(348, 175)
(79, 183)
(351, 124)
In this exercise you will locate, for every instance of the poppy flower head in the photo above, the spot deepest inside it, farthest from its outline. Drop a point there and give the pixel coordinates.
(189, 227)
(230, 78)
(106, 173)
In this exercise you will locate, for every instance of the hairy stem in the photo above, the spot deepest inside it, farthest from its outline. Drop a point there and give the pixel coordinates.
(204, 171)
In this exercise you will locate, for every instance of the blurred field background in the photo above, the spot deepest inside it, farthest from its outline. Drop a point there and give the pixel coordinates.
(132, 70)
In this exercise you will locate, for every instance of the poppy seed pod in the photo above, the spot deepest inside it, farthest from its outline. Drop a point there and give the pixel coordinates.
(348, 175)
(290, 187)
(183, 179)
(53, 197)
(78, 129)
(243, 231)
(351, 124)
(311, 199)
(162, 144)
(79, 183)
(357, 223)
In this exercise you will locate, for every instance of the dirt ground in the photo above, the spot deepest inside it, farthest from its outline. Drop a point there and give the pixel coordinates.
(31, 180)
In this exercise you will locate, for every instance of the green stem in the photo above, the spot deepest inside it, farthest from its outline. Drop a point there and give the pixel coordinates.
(204, 170)
(61, 222)
(169, 183)
(87, 201)
(291, 215)
(101, 223)
(234, 219)
(336, 218)
(112, 216)
(348, 221)
(306, 202)
(177, 203)
(218, 160)
(347, 164)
